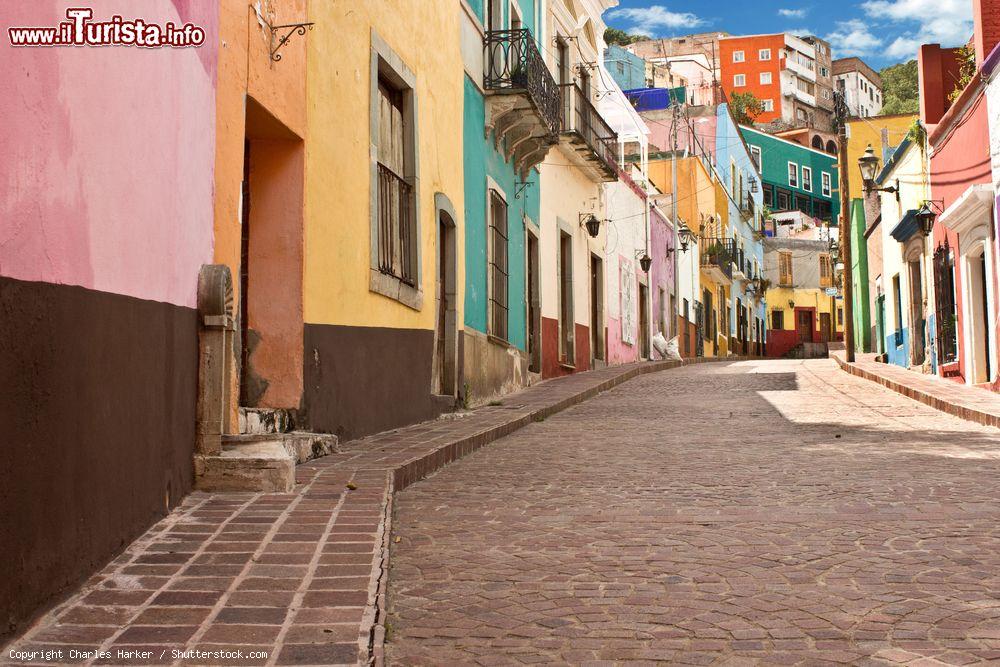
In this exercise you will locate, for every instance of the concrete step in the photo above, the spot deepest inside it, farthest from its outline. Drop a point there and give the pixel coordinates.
(444, 403)
(265, 467)
(301, 446)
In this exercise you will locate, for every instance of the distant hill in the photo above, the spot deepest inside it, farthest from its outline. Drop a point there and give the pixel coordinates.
(622, 38)
(899, 88)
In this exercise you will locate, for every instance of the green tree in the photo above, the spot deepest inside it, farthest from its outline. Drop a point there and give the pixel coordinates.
(899, 88)
(622, 38)
(745, 108)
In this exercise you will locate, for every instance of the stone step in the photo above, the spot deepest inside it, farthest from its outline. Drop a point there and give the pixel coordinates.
(265, 467)
(444, 403)
(301, 446)
(254, 421)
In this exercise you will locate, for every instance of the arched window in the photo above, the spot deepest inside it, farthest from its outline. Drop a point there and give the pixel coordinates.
(817, 142)
(831, 147)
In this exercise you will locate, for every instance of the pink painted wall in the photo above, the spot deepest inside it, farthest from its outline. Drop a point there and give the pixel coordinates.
(661, 122)
(108, 155)
(958, 162)
(661, 274)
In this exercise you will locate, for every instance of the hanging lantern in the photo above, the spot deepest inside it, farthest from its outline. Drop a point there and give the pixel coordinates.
(592, 224)
(645, 262)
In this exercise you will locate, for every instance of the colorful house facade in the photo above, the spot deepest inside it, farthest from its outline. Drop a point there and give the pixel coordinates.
(572, 178)
(795, 177)
(741, 178)
(500, 342)
(804, 311)
(883, 133)
(100, 253)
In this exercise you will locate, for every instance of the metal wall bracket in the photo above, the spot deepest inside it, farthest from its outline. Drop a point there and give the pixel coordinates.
(292, 28)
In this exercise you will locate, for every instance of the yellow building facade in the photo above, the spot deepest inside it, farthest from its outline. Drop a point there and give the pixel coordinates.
(383, 242)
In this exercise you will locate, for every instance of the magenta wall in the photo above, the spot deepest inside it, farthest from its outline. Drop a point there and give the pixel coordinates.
(108, 153)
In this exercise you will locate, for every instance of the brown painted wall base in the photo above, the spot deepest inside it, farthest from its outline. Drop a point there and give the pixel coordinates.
(97, 410)
(362, 380)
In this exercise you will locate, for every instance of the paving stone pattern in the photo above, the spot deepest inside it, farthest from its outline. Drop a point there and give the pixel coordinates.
(297, 577)
(772, 512)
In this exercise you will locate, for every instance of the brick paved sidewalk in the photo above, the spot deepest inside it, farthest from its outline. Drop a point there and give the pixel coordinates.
(971, 403)
(297, 576)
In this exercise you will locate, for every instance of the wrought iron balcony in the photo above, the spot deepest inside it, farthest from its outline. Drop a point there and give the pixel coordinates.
(593, 144)
(523, 106)
(717, 258)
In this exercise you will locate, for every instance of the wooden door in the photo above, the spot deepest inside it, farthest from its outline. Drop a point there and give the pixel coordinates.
(804, 325)
(825, 328)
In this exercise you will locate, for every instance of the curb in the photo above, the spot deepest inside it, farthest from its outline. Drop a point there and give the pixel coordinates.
(969, 414)
(372, 632)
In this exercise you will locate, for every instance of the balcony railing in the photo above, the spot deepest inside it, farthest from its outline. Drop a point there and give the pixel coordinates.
(581, 117)
(718, 253)
(513, 65)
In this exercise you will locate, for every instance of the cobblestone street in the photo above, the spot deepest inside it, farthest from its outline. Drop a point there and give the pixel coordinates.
(778, 512)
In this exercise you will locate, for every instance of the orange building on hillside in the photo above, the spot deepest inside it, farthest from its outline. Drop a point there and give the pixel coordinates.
(790, 75)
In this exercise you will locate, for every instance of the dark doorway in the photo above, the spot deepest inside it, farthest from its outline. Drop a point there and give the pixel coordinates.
(596, 308)
(534, 302)
(643, 321)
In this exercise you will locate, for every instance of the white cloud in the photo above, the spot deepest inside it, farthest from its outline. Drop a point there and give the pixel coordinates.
(945, 22)
(853, 38)
(793, 13)
(800, 32)
(903, 48)
(655, 19)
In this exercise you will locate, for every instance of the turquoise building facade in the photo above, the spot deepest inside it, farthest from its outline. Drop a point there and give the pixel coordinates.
(493, 358)
(795, 177)
(627, 69)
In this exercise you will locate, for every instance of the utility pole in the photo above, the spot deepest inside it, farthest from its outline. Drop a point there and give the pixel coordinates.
(677, 226)
(840, 106)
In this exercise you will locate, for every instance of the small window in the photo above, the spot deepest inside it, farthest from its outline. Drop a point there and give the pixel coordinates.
(764, 54)
(807, 179)
(826, 184)
(783, 201)
(738, 56)
(740, 80)
(755, 155)
(793, 175)
(767, 105)
(824, 71)
(765, 78)
(785, 269)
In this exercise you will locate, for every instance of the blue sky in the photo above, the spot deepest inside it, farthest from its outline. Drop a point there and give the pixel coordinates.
(881, 32)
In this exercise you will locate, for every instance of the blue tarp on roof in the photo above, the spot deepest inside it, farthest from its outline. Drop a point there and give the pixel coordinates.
(651, 99)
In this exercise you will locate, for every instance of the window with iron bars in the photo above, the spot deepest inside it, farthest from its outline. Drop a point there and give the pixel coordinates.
(944, 291)
(396, 251)
(499, 271)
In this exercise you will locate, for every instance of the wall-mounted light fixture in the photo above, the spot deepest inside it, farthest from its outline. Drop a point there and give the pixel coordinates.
(868, 163)
(592, 223)
(928, 213)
